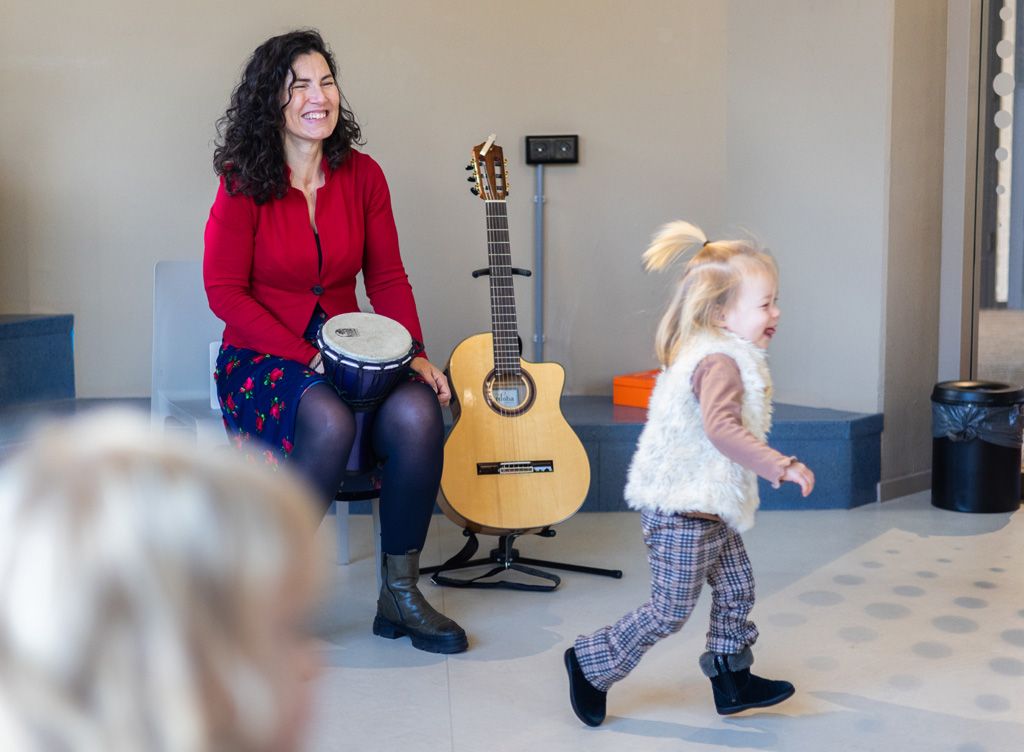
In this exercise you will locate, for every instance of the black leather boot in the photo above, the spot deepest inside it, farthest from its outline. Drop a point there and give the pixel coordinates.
(736, 689)
(402, 609)
(588, 702)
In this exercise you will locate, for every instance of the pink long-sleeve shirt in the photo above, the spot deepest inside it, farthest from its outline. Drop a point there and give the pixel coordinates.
(718, 386)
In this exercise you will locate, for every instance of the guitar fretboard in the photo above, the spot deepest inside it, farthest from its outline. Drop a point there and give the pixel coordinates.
(504, 327)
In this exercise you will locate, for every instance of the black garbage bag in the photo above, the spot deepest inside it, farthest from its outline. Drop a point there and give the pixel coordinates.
(999, 425)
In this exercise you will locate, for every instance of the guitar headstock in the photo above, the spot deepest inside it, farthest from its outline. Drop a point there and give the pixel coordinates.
(490, 171)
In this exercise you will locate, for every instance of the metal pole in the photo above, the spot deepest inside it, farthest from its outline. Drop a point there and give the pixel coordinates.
(538, 267)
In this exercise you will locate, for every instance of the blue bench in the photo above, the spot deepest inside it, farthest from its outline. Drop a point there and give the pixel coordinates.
(842, 448)
(36, 358)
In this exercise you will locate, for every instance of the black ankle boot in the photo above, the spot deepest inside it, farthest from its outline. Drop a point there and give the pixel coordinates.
(588, 702)
(402, 609)
(736, 689)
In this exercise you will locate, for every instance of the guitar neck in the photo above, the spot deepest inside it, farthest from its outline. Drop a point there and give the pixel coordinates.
(504, 328)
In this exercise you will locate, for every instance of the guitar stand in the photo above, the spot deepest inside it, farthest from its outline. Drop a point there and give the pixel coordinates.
(505, 557)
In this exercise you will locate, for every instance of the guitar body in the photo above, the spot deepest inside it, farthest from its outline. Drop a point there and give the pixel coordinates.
(511, 461)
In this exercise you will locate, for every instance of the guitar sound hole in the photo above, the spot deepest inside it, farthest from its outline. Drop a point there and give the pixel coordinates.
(509, 394)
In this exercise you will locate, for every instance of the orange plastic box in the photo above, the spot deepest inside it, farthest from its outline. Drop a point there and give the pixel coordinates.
(634, 389)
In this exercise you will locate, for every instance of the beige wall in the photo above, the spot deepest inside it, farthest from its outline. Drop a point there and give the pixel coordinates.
(775, 117)
(915, 243)
(108, 162)
(835, 150)
(808, 146)
(957, 327)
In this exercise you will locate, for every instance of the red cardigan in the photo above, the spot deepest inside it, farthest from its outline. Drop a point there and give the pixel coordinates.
(260, 263)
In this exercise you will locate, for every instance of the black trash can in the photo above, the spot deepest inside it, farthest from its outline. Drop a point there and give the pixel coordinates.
(976, 446)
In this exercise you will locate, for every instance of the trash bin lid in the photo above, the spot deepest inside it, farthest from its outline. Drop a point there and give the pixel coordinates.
(977, 393)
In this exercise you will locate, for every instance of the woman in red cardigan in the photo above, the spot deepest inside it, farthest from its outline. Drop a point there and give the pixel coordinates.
(298, 214)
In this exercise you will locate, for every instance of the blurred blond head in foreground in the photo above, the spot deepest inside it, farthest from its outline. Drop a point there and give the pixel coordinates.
(151, 598)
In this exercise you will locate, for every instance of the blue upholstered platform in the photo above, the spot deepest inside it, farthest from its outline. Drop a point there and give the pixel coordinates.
(17, 422)
(842, 448)
(36, 358)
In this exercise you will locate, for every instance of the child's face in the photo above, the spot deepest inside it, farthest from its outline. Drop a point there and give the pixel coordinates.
(753, 314)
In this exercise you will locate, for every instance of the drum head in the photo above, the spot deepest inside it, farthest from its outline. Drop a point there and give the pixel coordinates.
(366, 337)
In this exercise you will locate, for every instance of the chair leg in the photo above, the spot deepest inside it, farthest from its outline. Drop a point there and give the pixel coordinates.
(341, 515)
(375, 505)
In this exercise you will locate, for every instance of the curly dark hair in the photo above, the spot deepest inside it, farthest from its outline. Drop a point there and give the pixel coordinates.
(250, 149)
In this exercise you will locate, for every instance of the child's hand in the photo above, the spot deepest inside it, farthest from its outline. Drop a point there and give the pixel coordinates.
(799, 473)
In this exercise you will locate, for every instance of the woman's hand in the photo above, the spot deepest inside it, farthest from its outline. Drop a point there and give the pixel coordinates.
(434, 377)
(799, 473)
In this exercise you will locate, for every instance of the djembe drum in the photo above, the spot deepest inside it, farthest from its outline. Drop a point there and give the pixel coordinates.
(364, 357)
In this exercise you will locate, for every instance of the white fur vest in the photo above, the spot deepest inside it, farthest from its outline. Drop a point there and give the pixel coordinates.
(675, 467)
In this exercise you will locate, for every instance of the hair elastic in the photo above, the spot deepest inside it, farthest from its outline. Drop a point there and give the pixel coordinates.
(705, 243)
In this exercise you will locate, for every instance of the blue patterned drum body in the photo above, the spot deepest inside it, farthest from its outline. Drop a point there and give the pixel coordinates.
(364, 357)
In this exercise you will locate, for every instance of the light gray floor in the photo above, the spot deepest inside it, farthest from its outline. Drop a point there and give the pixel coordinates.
(901, 625)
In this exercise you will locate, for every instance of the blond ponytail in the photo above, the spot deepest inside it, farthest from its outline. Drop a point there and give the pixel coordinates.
(670, 242)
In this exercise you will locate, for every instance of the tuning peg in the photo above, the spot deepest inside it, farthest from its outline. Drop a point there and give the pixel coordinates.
(469, 166)
(475, 191)
(471, 179)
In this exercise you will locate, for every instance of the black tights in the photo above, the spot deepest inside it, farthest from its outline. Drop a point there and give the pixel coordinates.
(408, 437)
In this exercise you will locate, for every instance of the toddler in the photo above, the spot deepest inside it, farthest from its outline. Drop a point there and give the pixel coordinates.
(694, 473)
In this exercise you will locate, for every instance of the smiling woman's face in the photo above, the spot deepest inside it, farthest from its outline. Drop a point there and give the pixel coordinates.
(311, 100)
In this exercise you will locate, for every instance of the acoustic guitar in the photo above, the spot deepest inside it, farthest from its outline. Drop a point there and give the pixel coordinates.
(512, 464)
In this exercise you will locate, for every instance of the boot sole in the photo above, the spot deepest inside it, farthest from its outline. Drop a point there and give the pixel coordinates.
(732, 709)
(570, 659)
(446, 645)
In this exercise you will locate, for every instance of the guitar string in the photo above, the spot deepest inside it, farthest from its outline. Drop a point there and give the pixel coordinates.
(503, 295)
(504, 329)
(505, 299)
(499, 350)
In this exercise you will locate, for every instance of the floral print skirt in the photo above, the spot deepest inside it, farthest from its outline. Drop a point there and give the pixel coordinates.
(259, 395)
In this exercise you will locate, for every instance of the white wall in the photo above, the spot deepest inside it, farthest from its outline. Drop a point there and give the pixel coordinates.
(106, 166)
(835, 151)
(808, 146)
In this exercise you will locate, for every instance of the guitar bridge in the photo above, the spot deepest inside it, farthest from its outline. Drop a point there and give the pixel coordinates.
(515, 468)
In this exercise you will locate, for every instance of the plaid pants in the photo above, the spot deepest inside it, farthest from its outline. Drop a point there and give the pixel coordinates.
(683, 552)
